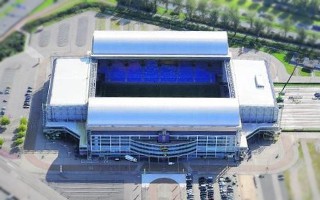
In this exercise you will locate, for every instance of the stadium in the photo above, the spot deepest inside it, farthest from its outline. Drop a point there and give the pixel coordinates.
(160, 95)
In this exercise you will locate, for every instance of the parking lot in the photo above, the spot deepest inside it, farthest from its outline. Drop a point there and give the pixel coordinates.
(16, 75)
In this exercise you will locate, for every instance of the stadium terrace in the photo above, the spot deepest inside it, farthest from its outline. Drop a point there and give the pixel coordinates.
(160, 95)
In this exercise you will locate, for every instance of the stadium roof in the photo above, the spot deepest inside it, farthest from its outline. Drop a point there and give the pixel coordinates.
(70, 82)
(252, 83)
(122, 112)
(160, 44)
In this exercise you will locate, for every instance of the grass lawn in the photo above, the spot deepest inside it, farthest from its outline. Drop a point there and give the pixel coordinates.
(100, 24)
(315, 157)
(316, 72)
(115, 25)
(8, 7)
(282, 58)
(302, 176)
(304, 182)
(42, 6)
(287, 183)
(303, 72)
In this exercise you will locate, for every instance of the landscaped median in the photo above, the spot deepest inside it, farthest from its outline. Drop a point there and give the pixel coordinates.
(21, 132)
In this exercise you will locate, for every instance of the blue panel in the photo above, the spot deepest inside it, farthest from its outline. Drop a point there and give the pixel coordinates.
(168, 74)
(134, 72)
(185, 72)
(117, 72)
(151, 73)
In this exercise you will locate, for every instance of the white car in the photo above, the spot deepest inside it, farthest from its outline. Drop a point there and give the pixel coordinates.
(170, 163)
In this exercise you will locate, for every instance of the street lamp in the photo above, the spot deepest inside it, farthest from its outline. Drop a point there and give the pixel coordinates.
(297, 61)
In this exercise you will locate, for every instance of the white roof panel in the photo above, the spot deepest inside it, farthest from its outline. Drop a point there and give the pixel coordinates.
(252, 83)
(118, 111)
(160, 43)
(70, 81)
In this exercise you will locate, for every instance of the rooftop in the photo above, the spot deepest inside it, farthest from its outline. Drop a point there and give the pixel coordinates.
(119, 111)
(160, 44)
(252, 84)
(70, 81)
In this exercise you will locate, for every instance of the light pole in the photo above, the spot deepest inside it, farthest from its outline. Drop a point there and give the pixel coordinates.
(297, 60)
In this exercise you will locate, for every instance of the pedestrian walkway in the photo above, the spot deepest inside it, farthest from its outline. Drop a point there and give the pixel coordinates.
(310, 172)
(149, 178)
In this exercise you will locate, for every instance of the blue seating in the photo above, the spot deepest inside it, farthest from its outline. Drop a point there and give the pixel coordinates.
(168, 74)
(150, 72)
(185, 74)
(134, 72)
(117, 72)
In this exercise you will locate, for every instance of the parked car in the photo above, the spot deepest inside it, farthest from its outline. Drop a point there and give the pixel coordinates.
(280, 177)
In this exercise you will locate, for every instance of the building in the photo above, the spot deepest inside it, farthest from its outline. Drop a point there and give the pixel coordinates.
(160, 95)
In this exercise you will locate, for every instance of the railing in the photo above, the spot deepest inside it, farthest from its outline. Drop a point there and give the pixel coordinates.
(230, 79)
(93, 79)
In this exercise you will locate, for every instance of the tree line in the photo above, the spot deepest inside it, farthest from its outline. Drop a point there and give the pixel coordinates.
(13, 44)
(303, 7)
(207, 12)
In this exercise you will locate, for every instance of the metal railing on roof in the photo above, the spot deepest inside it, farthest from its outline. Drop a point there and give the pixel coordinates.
(230, 79)
(93, 78)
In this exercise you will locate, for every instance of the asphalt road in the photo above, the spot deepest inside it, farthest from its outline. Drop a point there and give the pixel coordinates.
(23, 185)
(267, 187)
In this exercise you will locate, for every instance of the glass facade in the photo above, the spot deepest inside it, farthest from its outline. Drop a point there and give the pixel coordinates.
(212, 145)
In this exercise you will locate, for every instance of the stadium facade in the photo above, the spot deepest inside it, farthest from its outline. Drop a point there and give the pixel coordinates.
(163, 94)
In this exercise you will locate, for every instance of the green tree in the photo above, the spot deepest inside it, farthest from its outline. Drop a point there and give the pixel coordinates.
(214, 16)
(4, 121)
(313, 39)
(202, 8)
(268, 26)
(225, 19)
(258, 27)
(24, 121)
(178, 4)
(190, 8)
(286, 26)
(234, 19)
(301, 35)
(251, 16)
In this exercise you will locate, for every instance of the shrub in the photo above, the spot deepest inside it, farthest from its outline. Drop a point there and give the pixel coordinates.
(4, 121)
(21, 134)
(1, 142)
(19, 141)
(22, 127)
(24, 121)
